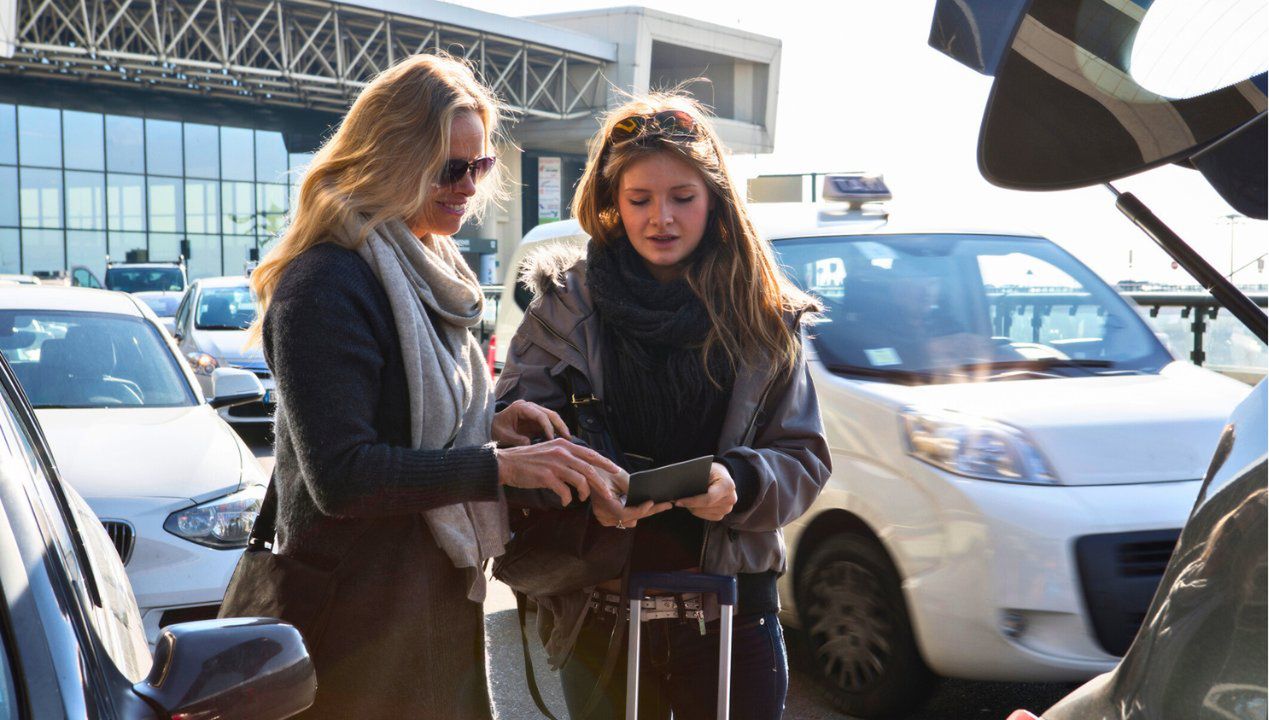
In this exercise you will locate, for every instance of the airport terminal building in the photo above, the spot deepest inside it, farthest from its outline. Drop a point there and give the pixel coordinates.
(137, 125)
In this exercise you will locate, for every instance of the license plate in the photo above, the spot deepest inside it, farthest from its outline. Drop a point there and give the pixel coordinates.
(268, 397)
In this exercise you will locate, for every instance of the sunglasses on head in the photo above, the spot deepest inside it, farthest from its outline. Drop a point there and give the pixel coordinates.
(454, 170)
(670, 123)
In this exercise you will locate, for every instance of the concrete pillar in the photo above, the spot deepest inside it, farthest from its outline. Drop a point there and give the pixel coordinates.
(744, 100)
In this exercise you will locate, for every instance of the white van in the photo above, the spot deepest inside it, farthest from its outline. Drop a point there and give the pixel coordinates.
(1014, 455)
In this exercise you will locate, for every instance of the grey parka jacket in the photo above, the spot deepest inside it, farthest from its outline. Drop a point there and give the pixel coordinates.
(789, 453)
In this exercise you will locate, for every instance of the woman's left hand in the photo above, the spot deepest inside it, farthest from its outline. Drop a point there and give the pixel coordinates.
(522, 421)
(718, 499)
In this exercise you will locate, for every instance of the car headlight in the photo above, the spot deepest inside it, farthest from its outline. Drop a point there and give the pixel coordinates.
(221, 523)
(975, 447)
(202, 363)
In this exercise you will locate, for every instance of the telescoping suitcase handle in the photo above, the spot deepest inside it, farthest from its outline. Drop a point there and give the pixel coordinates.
(721, 585)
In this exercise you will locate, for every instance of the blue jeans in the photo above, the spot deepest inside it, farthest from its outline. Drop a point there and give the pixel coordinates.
(678, 670)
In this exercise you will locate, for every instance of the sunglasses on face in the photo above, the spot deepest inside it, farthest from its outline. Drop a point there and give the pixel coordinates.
(454, 170)
(670, 123)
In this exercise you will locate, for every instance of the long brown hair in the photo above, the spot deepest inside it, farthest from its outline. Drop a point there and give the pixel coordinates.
(382, 162)
(748, 298)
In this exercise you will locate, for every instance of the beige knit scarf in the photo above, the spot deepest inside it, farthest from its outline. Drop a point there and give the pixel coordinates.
(451, 400)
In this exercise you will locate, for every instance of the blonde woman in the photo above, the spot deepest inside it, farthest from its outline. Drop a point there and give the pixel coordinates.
(386, 479)
(683, 325)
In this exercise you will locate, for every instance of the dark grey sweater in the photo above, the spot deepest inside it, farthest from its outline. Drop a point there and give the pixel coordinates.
(343, 419)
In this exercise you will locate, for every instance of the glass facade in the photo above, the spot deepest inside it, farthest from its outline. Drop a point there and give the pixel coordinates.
(78, 186)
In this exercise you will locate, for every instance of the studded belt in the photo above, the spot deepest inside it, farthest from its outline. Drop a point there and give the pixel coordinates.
(687, 606)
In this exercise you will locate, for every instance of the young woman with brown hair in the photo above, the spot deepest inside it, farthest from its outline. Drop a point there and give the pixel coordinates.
(682, 323)
(385, 476)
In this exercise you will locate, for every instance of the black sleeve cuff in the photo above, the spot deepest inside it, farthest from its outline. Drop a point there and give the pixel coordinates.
(746, 479)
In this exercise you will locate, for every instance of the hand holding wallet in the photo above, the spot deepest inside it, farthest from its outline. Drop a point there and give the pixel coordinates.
(671, 482)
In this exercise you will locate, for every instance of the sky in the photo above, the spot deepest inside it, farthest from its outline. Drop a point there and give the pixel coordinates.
(860, 89)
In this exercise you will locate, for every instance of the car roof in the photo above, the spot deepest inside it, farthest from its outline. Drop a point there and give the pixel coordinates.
(225, 281)
(127, 266)
(554, 230)
(53, 297)
(782, 221)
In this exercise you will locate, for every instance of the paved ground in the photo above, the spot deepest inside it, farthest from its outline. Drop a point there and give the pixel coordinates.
(954, 700)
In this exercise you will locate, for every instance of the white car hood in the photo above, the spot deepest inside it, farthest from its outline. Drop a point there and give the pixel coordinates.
(184, 452)
(1101, 430)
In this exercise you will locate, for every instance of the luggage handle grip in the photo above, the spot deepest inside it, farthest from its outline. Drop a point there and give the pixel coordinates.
(723, 586)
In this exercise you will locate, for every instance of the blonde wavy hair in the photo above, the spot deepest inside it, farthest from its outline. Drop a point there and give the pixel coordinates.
(748, 298)
(383, 161)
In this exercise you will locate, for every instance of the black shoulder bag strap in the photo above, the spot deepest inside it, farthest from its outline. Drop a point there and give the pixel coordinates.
(592, 425)
(264, 528)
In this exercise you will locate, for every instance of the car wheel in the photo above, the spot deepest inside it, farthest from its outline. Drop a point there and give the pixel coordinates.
(856, 629)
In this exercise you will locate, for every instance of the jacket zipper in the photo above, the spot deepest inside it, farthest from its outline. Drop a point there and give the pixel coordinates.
(762, 401)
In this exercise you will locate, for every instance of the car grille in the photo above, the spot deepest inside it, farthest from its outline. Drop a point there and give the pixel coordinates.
(122, 535)
(1119, 573)
(1147, 558)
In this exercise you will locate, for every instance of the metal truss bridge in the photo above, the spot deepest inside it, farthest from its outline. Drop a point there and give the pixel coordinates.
(301, 53)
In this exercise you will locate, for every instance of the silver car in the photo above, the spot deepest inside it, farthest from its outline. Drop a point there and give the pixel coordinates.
(211, 332)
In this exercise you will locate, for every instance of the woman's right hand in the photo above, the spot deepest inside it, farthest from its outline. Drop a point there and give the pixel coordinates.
(560, 466)
(610, 511)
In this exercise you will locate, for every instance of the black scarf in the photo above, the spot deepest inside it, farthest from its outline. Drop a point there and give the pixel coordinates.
(664, 405)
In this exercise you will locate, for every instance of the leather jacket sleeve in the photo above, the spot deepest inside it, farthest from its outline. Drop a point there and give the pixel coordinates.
(789, 456)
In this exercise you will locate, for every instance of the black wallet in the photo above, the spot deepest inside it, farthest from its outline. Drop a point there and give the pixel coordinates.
(671, 482)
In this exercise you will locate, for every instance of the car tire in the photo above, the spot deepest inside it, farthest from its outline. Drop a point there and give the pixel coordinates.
(858, 638)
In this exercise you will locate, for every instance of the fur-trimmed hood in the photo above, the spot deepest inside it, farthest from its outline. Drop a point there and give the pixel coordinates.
(544, 267)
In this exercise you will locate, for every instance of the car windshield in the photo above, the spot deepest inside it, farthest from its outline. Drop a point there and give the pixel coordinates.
(943, 307)
(133, 279)
(91, 360)
(228, 308)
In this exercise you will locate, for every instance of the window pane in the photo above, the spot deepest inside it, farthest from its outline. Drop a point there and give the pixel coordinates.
(125, 202)
(125, 144)
(83, 146)
(10, 251)
(202, 206)
(163, 147)
(8, 135)
(167, 204)
(271, 209)
(121, 243)
(41, 198)
(40, 136)
(42, 251)
(85, 200)
(8, 196)
(204, 258)
(271, 159)
(165, 247)
(237, 156)
(240, 208)
(202, 151)
(235, 250)
(88, 249)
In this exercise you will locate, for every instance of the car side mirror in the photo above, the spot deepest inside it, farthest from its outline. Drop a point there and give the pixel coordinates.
(232, 386)
(248, 668)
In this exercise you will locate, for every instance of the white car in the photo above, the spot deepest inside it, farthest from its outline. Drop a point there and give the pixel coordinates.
(130, 429)
(211, 332)
(1014, 455)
